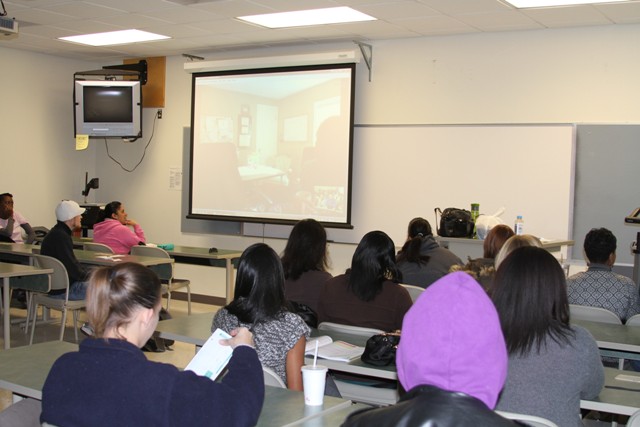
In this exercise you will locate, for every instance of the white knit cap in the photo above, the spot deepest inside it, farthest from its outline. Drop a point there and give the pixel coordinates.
(68, 209)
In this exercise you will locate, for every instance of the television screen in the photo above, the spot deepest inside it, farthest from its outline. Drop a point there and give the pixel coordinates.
(108, 108)
(273, 145)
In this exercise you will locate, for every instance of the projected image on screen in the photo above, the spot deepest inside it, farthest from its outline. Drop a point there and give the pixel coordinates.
(273, 145)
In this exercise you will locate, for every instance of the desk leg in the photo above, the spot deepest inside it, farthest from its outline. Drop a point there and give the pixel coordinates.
(229, 280)
(6, 301)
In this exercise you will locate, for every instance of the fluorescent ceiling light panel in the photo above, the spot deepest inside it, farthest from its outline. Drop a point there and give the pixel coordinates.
(523, 4)
(303, 18)
(115, 37)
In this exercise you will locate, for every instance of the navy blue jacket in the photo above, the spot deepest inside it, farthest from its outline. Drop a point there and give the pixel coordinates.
(111, 383)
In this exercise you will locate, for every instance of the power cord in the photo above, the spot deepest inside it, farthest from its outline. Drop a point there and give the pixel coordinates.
(153, 131)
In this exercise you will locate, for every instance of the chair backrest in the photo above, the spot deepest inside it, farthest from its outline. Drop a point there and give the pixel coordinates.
(414, 291)
(594, 314)
(634, 420)
(164, 271)
(24, 413)
(59, 278)
(97, 247)
(348, 329)
(530, 420)
(633, 321)
(272, 379)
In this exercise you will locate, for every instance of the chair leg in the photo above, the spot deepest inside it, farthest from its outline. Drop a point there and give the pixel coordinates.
(189, 300)
(75, 323)
(63, 323)
(26, 324)
(33, 322)
(621, 363)
(168, 299)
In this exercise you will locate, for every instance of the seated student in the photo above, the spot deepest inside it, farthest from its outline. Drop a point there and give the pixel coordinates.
(599, 286)
(259, 304)
(109, 381)
(552, 364)
(452, 361)
(114, 229)
(305, 263)
(421, 260)
(59, 244)
(12, 222)
(483, 269)
(368, 294)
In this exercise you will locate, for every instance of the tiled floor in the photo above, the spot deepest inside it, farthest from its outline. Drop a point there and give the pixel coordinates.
(180, 356)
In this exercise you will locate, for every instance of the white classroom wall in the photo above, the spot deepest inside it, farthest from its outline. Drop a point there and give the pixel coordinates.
(577, 75)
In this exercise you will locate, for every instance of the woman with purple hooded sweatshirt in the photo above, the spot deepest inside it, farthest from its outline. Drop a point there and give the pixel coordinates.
(452, 360)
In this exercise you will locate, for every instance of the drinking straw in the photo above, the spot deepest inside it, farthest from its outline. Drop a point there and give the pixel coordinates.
(315, 355)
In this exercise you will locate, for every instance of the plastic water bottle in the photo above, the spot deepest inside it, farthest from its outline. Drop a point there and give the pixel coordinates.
(519, 226)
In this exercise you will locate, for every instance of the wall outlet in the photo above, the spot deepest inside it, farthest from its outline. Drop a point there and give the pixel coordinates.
(159, 113)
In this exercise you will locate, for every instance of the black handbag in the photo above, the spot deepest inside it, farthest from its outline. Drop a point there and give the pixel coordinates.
(308, 315)
(455, 222)
(380, 349)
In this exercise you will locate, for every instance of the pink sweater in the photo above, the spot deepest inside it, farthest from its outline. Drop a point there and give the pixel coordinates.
(117, 236)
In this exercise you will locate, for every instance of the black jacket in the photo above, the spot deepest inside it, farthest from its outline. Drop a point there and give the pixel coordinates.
(59, 244)
(431, 406)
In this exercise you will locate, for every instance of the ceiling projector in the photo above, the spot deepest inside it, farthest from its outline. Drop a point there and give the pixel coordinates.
(8, 28)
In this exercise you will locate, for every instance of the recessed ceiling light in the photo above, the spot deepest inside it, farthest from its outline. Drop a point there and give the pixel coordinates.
(114, 37)
(523, 4)
(302, 18)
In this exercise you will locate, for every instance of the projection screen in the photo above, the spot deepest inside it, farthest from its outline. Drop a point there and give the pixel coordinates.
(273, 145)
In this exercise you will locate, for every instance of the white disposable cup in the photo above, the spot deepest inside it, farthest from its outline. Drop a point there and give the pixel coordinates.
(313, 381)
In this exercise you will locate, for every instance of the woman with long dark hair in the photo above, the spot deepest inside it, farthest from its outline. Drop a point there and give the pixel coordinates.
(260, 305)
(368, 294)
(552, 364)
(305, 262)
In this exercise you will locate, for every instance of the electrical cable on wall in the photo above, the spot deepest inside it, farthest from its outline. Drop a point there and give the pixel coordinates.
(153, 131)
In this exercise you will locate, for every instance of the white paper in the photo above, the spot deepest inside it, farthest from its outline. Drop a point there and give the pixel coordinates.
(212, 357)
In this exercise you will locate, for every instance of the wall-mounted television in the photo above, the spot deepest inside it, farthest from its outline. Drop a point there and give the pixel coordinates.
(273, 145)
(108, 108)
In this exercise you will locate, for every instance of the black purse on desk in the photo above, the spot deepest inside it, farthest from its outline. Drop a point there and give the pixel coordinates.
(380, 349)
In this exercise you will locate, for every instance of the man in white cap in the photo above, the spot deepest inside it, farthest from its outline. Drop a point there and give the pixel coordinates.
(59, 244)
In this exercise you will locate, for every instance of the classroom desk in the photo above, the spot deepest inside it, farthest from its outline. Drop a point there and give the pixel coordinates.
(283, 407)
(84, 257)
(624, 401)
(331, 418)
(194, 329)
(614, 340)
(24, 277)
(99, 258)
(194, 255)
(25, 370)
(16, 252)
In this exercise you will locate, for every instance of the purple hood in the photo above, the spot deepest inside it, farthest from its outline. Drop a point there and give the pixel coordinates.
(451, 339)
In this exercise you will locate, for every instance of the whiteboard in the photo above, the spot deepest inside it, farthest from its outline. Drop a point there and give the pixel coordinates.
(404, 171)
